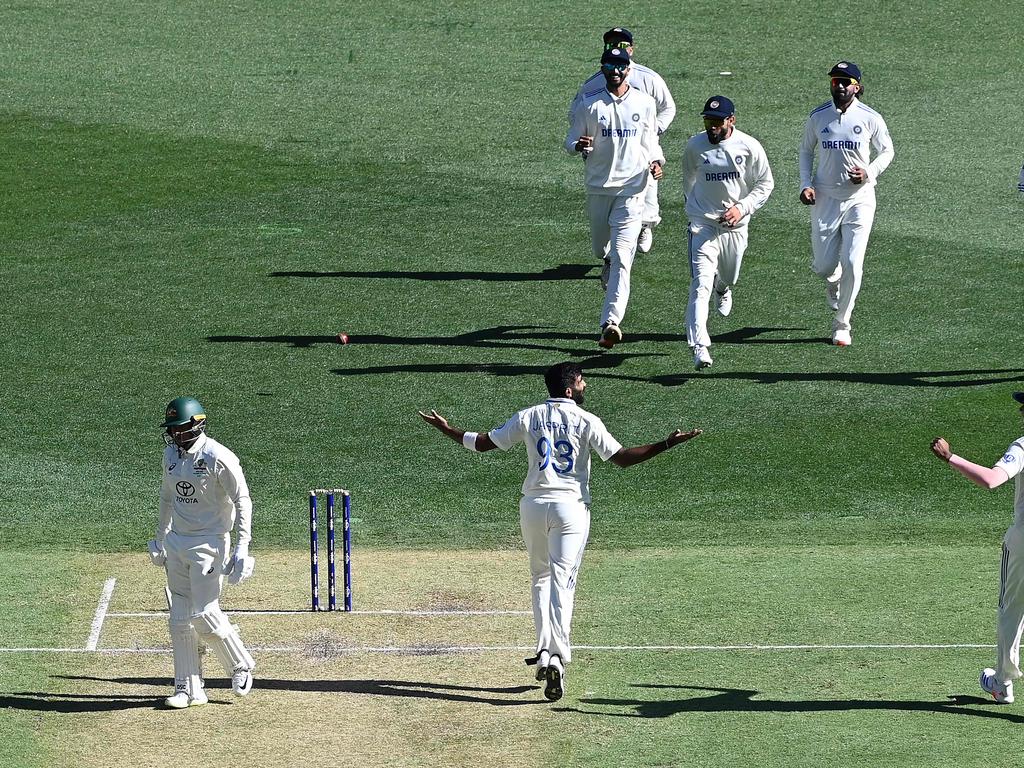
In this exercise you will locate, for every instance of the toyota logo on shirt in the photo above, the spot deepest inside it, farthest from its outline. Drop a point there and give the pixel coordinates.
(185, 492)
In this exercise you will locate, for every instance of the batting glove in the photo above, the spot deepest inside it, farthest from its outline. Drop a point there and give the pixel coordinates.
(241, 566)
(157, 554)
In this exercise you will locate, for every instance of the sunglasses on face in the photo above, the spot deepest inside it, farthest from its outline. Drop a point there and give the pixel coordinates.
(845, 81)
(619, 44)
(614, 67)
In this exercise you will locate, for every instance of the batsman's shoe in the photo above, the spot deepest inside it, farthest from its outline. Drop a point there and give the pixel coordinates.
(723, 302)
(842, 338)
(1001, 692)
(611, 335)
(646, 240)
(701, 357)
(182, 699)
(606, 270)
(241, 681)
(555, 685)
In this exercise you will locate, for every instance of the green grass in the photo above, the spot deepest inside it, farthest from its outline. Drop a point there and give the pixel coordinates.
(198, 197)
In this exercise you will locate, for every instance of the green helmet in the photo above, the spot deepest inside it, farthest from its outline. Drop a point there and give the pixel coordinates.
(181, 411)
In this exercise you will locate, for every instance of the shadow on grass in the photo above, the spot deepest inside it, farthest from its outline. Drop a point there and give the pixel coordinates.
(532, 337)
(561, 272)
(499, 337)
(397, 688)
(739, 700)
(958, 378)
(72, 703)
(514, 336)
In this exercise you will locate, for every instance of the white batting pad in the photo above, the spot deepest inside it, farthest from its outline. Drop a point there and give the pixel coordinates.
(223, 637)
(187, 669)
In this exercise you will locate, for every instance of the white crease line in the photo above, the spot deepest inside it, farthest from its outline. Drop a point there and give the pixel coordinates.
(443, 649)
(101, 614)
(163, 614)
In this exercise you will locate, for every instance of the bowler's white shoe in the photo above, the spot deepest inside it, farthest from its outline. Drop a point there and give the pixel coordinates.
(841, 338)
(555, 679)
(832, 295)
(182, 699)
(646, 240)
(723, 302)
(701, 357)
(1001, 692)
(543, 660)
(611, 335)
(241, 681)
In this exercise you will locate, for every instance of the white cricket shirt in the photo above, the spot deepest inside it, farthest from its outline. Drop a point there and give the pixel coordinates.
(559, 436)
(204, 492)
(625, 135)
(1012, 463)
(718, 176)
(843, 140)
(642, 78)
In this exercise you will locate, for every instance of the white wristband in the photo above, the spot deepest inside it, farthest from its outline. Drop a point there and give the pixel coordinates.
(469, 440)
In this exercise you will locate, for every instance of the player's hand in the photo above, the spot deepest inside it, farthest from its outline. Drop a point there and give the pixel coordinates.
(732, 216)
(941, 448)
(585, 144)
(807, 195)
(657, 171)
(679, 436)
(157, 554)
(435, 419)
(241, 566)
(241, 569)
(858, 175)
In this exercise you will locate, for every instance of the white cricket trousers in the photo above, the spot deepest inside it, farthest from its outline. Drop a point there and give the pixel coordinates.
(1011, 606)
(652, 211)
(555, 531)
(615, 222)
(839, 239)
(715, 259)
(195, 569)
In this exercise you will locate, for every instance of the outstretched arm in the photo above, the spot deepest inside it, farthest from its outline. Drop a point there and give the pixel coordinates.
(627, 457)
(986, 477)
(434, 419)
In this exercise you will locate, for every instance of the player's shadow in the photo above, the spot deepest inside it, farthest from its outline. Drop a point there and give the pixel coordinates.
(739, 700)
(493, 696)
(958, 378)
(73, 703)
(498, 337)
(752, 334)
(561, 272)
(598, 362)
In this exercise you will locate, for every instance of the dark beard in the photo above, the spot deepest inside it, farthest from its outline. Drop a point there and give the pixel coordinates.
(577, 397)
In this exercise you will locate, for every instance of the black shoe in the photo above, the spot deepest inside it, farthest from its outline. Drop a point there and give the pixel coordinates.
(555, 679)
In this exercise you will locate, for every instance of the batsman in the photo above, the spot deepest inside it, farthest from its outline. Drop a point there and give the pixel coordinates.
(203, 496)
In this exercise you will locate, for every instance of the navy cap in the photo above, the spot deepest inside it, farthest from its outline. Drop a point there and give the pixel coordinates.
(845, 69)
(718, 106)
(615, 56)
(1019, 397)
(618, 35)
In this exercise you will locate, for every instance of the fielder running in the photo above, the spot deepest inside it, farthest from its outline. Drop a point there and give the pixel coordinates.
(843, 132)
(648, 81)
(203, 496)
(615, 128)
(726, 177)
(999, 681)
(554, 513)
